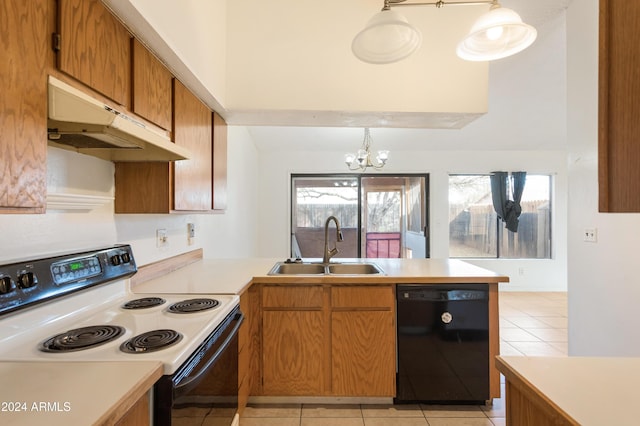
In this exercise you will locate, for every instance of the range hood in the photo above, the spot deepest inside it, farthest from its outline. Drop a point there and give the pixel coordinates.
(81, 123)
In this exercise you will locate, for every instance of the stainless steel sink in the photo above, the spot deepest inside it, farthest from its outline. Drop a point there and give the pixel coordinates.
(354, 269)
(284, 268)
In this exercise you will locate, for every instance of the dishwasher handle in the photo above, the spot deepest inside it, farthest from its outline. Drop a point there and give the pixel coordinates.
(438, 294)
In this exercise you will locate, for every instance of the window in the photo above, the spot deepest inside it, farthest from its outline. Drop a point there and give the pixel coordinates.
(475, 230)
(380, 216)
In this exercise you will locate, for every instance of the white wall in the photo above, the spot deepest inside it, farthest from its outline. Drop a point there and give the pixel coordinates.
(604, 285)
(196, 31)
(231, 234)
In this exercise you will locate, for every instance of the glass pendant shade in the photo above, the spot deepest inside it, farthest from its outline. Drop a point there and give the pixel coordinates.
(387, 38)
(496, 34)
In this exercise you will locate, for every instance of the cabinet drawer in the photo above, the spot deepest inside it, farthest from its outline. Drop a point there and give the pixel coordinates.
(292, 297)
(378, 296)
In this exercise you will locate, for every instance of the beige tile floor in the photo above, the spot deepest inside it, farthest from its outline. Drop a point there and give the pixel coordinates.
(530, 324)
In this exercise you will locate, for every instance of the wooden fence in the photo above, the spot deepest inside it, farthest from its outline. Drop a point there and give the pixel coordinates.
(474, 231)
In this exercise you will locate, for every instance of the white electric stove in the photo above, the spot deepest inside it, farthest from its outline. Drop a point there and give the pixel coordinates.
(78, 307)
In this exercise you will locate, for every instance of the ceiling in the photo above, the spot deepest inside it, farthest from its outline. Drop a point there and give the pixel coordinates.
(525, 91)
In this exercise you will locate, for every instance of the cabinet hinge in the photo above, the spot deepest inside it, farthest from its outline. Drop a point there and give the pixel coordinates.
(55, 42)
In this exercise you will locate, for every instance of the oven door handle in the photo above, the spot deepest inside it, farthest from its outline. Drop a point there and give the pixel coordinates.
(239, 318)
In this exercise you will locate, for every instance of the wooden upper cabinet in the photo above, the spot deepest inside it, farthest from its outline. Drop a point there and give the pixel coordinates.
(184, 185)
(151, 87)
(192, 129)
(219, 163)
(619, 106)
(25, 37)
(95, 48)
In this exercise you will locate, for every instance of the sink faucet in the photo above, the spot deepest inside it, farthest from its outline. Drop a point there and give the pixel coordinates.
(328, 254)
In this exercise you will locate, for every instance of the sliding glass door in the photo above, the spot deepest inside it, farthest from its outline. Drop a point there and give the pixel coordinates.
(380, 215)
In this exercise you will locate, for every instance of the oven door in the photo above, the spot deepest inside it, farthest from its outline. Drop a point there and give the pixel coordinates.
(206, 385)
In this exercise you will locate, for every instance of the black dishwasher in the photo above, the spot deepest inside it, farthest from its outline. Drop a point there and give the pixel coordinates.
(443, 343)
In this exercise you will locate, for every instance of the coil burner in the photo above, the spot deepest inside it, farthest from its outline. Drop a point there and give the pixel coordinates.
(193, 305)
(82, 338)
(145, 302)
(151, 341)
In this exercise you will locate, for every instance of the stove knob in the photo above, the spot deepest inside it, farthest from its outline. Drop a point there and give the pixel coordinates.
(125, 257)
(6, 285)
(27, 280)
(116, 260)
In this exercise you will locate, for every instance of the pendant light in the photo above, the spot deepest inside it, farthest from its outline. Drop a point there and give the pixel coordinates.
(388, 37)
(496, 34)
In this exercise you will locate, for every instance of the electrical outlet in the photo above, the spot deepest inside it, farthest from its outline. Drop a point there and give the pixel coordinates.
(191, 232)
(590, 235)
(521, 271)
(161, 237)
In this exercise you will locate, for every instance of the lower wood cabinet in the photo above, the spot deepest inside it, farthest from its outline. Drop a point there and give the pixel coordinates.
(138, 414)
(363, 344)
(362, 353)
(328, 340)
(293, 346)
(249, 346)
(293, 340)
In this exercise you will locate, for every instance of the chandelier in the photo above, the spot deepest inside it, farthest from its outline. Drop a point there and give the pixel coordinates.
(388, 37)
(361, 160)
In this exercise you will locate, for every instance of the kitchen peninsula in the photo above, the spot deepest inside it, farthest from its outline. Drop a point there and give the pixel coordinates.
(325, 311)
(560, 390)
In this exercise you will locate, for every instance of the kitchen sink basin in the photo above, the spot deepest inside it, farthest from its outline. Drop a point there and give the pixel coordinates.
(286, 268)
(354, 269)
(283, 268)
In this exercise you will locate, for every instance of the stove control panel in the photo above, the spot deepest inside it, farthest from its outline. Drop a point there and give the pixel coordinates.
(75, 269)
(34, 281)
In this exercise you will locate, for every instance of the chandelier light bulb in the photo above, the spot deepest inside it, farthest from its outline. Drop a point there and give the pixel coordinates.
(349, 159)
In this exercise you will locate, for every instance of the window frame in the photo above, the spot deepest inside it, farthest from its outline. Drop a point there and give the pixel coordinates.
(425, 221)
(500, 226)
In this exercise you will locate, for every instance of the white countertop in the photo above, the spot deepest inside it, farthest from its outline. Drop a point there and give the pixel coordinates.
(71, 393)
(592, 391)
(231, 276)
(208, 276)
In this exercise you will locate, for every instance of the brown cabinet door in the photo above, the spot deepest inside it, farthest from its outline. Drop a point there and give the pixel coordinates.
(219, 163)
(142, 187)
(619, 107)
(24, 35)
(95, 48)
(151, 87)
(192, 129)
(292, 353)
(363, 353)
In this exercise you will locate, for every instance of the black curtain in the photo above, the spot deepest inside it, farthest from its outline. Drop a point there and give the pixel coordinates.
(508, 209)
